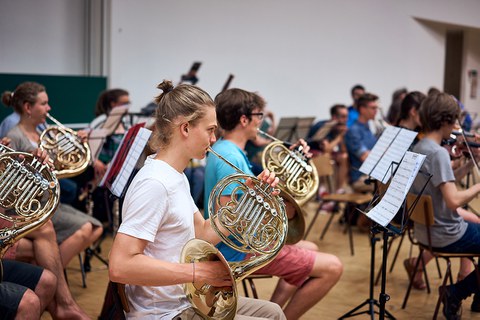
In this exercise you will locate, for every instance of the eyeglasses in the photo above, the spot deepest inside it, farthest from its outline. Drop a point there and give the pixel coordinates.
(259, 114)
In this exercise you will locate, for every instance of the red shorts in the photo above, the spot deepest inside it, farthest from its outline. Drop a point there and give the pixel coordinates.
(293, 264)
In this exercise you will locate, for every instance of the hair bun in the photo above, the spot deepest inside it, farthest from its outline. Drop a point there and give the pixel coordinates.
(166, 86)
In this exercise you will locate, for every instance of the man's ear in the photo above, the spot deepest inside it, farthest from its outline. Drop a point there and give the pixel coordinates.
(244, 120)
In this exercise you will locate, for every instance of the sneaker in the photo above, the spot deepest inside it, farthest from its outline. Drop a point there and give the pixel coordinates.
(475, 307)
(452, 308)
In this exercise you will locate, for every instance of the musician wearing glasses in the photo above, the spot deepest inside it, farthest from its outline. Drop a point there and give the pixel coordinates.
(306, 275)
(160, 217)
(75, 230)
(331, 142)
(360, 140)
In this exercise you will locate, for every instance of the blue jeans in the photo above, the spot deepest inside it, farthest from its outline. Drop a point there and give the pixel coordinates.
(468, 243)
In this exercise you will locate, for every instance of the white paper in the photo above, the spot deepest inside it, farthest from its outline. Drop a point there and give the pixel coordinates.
(131, 160)
(387, 153)
(379, 149)
(393, 155)
(393, 198)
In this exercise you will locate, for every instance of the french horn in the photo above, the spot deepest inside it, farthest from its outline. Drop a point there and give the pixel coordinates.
(29, 195)
(256, 221)
(298, 178)
(71, 156)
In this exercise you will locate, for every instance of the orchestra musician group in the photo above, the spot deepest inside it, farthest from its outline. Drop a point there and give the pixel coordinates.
(161, 273)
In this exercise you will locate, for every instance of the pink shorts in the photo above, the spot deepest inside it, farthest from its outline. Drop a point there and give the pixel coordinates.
(293, 264)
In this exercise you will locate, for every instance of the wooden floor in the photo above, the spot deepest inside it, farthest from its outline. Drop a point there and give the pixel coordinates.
(351, 291)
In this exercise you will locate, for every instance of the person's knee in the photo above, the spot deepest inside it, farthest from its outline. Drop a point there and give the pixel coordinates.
(330, 266)
(29, 307)
(47, 283)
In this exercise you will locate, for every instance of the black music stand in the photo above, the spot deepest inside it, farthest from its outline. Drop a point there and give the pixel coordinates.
(291, 129)
(388, 230)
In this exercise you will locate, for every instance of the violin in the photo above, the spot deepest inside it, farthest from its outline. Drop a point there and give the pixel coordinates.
(458, 149)
(462, 144)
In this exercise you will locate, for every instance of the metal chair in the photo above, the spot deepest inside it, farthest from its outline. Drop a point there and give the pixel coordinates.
(423, 214)
(351, 200)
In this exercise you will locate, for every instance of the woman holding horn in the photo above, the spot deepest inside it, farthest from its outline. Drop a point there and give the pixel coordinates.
(75, 230)
(159, 216)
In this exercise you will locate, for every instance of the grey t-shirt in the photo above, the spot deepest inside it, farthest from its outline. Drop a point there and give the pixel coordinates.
(20, 142)
(449, 226)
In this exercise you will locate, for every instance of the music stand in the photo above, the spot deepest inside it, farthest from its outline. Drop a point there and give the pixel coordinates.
(387, 156)
(290, 129)
(387, 206)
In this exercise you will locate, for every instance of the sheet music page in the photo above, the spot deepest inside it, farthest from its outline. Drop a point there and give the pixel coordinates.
(393, 198)
(378, 150)
(131, 160)
(110, 167)
(393, 155)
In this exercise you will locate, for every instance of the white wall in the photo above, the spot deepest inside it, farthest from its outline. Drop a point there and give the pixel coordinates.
(302, 56)
(42, 37)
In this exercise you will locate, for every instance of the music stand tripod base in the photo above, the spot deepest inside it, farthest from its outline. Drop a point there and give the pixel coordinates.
(371, 302)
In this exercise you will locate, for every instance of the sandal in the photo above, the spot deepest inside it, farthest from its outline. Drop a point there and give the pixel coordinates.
(417, 284)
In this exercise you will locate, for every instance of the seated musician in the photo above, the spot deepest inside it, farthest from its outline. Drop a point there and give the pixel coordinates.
(333, 143)
(451, 232)
(75, 230)
(159, 217)
(360, 140)
(38, 247)
(306, 276)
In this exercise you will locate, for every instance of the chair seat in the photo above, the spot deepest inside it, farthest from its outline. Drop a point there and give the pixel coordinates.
(356, 198)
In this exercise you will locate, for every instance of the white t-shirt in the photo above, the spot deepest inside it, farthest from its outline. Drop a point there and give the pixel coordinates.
(158, 208)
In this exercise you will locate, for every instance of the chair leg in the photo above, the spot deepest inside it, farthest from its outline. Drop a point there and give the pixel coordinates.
(245, 290)
(254, 289)
(425, 275)
(348, 228)
(327, 225)
(412, 278)
(448, 275)
(82, 270)
(438, 268)
(313, 220)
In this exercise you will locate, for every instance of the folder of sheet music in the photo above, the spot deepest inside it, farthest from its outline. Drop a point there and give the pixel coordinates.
(125, 159)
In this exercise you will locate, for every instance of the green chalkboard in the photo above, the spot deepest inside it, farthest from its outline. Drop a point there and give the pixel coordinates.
(72, 98)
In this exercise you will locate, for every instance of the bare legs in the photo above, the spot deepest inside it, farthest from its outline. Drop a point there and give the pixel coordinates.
(42, 245)
(78, 242)
(325, 274)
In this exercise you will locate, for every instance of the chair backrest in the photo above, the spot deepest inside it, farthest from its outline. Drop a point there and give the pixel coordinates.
(324, 166)
(422, 211)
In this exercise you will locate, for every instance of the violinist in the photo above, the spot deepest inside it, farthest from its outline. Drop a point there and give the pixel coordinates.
(409, 117)
(451, 231)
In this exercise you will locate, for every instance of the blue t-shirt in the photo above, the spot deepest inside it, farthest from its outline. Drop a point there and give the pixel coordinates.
(215, 170)
(8, 123)
(358, 139)
(352, 116)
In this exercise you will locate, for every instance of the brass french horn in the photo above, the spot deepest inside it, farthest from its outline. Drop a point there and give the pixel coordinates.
(71, 156)
(29, 195)
(298, 178)
(257, 222)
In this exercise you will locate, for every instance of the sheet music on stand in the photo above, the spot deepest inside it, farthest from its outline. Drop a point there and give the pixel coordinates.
(97, 136)
(388, 150)
(125, 159)
(393, 199)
